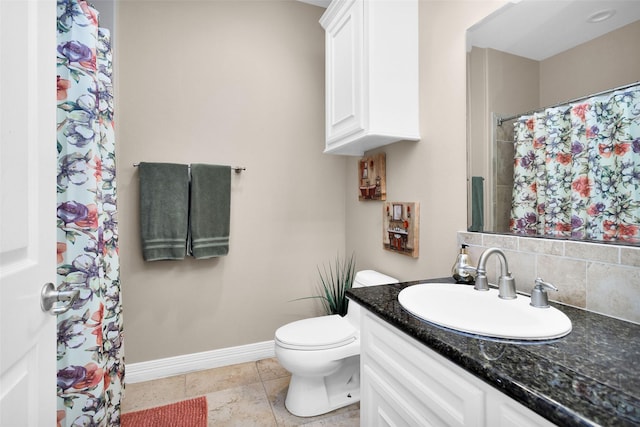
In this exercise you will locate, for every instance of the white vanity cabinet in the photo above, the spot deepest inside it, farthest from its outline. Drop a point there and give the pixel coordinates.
(404, 383)
(371, 74)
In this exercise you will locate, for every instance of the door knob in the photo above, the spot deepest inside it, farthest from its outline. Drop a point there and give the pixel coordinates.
(56, 302)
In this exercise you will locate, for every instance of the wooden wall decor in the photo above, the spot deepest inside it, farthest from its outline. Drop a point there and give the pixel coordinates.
(401, 227)
(372, 177)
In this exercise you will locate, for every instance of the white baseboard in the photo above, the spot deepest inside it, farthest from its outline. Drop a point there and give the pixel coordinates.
(162, 368)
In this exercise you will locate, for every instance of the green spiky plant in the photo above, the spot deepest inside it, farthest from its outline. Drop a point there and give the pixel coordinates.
(334, 284)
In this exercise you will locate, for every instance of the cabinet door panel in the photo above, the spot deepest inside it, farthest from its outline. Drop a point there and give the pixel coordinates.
(344, 74)
(382, 405)
(436, 392)
(503, 411)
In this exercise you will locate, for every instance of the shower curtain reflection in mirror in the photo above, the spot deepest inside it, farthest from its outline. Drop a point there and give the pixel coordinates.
(577, 170)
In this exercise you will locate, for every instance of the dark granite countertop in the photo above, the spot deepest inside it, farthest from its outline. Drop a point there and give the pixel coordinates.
(590, 377)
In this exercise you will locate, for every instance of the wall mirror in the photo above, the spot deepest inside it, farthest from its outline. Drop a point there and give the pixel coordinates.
(524, 57)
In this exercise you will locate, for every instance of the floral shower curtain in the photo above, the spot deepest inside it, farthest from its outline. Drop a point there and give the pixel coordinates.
(577, 170)
(90, 351)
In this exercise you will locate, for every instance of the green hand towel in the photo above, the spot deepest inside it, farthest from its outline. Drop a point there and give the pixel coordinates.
(209, 211)
(477, 203)
(164, 210)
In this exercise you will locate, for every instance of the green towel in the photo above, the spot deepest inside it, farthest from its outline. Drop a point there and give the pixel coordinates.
(209, 210)
(164, 210)
(477, 203)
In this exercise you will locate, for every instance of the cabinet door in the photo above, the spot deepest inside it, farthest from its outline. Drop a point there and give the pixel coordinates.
(344, 68)
(503, 411)
(404, 384)
(382, 405)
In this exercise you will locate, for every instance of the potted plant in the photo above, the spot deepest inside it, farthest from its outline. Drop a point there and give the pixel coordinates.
(335, 281)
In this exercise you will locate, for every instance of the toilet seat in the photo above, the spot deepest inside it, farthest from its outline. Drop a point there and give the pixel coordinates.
(317, 333)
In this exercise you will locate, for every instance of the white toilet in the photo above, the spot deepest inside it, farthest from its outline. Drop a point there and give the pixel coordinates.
(323, 356)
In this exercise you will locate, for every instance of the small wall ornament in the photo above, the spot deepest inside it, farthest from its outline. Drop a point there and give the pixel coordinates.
(372, 177)
(401, 229)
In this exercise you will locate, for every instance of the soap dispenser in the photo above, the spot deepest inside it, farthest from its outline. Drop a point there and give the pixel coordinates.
(462, 271)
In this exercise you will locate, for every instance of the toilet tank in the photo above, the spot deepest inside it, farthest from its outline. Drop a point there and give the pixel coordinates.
(362, 279)
(371, 278)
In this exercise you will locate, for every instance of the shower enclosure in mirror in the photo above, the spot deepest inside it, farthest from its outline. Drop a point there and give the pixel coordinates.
(526, 57)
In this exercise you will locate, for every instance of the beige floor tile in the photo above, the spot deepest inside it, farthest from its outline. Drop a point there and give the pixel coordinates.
(153, 393)
(276, 390)
(244, 395)
(211, 380)
(270, 369)
(345, 418)
(246, 405)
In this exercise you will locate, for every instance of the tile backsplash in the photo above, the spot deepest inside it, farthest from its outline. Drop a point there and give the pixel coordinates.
(603, 278)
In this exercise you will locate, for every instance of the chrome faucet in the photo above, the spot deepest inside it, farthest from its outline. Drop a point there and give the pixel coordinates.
(506, 282)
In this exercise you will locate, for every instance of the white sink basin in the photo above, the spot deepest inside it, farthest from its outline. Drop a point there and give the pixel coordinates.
(462, 308)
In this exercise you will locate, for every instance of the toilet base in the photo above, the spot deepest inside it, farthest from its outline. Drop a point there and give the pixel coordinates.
(311, 396)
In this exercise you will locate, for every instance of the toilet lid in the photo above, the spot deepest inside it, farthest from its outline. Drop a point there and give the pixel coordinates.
(317, 333)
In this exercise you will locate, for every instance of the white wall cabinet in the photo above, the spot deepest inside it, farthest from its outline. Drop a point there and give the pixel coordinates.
(371, 74)
(404, 383)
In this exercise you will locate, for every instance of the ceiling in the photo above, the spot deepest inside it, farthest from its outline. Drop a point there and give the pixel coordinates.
(538, 29)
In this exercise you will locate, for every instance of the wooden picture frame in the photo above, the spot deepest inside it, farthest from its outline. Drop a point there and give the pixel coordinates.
(372, 177)
(401, 227)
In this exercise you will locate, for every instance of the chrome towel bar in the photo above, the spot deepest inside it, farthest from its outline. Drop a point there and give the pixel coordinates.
(236, 169)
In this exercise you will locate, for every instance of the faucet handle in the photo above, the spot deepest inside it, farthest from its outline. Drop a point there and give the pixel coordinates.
(539, 296)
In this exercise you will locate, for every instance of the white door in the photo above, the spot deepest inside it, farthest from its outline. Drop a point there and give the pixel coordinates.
(27, 211)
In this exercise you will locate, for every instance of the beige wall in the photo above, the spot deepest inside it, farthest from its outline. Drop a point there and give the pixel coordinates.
(601, 64)
(239, 83)
(242, 82)
(432, 171)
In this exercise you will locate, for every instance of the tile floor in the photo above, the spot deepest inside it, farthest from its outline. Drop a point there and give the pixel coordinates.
(247, 394)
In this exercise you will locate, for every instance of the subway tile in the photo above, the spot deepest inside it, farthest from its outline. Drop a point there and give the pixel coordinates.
(592, 251)
(469, 238)
(500, 241)
(541, 246)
